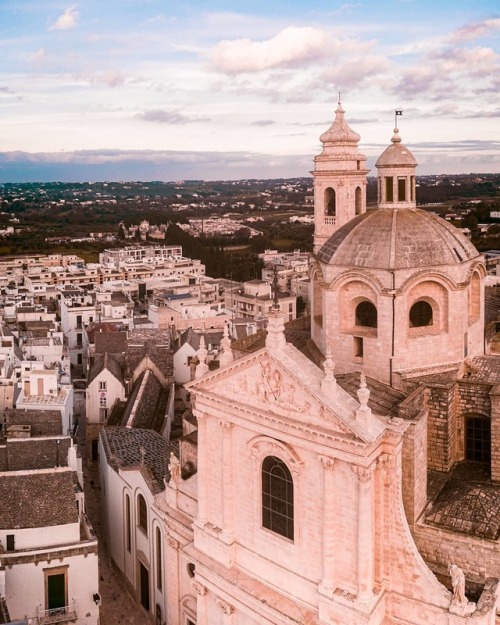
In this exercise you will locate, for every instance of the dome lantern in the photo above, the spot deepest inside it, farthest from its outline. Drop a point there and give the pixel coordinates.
(396, 175)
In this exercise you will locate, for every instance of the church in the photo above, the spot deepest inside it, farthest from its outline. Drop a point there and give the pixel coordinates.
(358, 481)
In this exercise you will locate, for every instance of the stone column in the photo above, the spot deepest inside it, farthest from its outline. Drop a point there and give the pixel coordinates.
(202, 475)
(365, 534)
(227, 611)
(330, 512)
(201, 603)
(227, 482)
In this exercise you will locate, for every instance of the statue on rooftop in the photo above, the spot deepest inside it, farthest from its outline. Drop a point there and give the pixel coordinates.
(174, 468)
(459, 603)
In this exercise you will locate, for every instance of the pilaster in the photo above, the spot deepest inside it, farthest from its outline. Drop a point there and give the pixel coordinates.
(365, 533)
(330, 512)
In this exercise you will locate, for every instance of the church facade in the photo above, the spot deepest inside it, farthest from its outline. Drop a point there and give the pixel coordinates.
(321, 491)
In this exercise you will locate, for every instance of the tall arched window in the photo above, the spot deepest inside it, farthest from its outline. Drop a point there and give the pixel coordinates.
(330, 202)
(420, 314)
(142, 513)
(366, 315)
(158, 559)
(317, 307)
(128, 532)
(277, 497)
(357, 200)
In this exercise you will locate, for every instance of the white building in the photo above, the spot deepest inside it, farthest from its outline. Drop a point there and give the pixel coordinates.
(45, 389)
(77, 310)
(48, 553)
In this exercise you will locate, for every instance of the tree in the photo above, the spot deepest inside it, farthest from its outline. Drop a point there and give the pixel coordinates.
(121, 232)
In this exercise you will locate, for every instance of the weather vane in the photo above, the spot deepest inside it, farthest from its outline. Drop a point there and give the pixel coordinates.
(397, 112)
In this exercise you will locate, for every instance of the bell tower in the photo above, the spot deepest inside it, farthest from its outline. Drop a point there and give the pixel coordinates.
(339, 179)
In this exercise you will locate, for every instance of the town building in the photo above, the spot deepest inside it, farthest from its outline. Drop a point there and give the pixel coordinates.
(48, 550)
(255, 299)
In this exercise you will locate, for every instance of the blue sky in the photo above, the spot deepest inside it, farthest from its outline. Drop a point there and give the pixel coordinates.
(150, 89)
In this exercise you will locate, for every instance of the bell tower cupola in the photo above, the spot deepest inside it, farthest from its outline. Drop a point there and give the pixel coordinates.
(339, 179)
(396, 176)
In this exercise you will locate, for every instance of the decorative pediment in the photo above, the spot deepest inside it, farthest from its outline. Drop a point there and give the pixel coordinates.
(262, 384)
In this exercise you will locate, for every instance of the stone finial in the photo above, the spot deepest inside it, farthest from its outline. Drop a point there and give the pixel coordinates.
(363, 396)
(202, 354)
(226, 357)
(459, 603)
(275, 329)
(329, 383)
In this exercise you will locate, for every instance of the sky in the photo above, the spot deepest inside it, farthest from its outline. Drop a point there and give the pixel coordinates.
(197, 89)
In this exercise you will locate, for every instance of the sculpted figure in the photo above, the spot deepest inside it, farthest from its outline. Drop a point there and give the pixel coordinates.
(175, 468)
(459, 603)
(458, 584)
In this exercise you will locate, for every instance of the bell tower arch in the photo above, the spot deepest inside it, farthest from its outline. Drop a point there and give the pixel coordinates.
(339, 179)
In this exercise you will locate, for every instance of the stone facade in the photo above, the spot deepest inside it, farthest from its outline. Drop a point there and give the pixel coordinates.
(327, 490)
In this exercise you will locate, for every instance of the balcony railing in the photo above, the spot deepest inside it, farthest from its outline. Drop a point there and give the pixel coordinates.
(58, 615)
(330, 221)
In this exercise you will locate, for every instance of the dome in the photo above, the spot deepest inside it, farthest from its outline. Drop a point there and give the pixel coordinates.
(396, 154)
(339, 131)
(397, 239)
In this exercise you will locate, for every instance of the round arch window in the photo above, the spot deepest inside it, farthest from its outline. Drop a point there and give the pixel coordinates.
(420, 314)
(330, 202)
(366, 315)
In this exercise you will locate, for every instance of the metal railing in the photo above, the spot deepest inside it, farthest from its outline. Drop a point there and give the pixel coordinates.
(57, 615)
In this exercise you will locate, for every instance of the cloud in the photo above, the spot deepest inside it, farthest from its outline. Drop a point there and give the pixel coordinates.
(349, 6)
(479, 61)
(38, 57)
(111, 78)
(443, 74)
(67, 20)
(354, 72)
(476, 30)
(263, 122)
(292, 47)
(480, 114)
(169, 117)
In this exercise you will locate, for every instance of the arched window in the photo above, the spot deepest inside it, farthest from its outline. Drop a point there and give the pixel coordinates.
(357, 200)
(478, 438)
(128, 532)
(420, 314)
(366, 315)
(277, 497)
(330, 202)
(317, 307)
(142, 513)
(158, 559)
